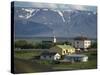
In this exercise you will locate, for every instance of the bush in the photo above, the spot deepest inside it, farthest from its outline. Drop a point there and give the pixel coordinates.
(93, 45)
(55, 62)
(23, 44)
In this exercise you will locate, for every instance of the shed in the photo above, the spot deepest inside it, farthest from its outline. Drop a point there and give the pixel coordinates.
(50, 56)
(76, 58)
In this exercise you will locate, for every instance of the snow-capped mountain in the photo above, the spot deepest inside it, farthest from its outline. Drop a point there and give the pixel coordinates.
(64, 23)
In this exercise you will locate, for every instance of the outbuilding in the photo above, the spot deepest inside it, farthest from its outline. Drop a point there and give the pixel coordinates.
(50, 56)
(76, 58)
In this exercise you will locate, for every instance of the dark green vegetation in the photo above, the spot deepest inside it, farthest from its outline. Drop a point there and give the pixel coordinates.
(25, 63)
(94, 45)
(23, 44)
(26, 54)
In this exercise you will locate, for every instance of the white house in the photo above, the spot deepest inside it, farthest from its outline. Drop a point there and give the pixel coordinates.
(76, 58)
(81, 43)
(50, 56)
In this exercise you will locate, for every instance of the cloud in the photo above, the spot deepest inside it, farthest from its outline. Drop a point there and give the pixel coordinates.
(56, 6)
(78, 7)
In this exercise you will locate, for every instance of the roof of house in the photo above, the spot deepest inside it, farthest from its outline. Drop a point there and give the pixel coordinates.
(65, 47)
(48, 53)
(76, 55)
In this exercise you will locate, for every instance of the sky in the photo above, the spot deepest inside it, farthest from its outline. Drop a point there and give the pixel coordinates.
(56, 6)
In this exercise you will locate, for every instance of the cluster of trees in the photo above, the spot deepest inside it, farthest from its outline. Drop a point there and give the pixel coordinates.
(62, 43)
(23, 44)
(26, 45)
(94, 45)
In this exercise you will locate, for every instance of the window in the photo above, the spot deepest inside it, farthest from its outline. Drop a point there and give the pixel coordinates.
(77, 42)
(44, 56)
(50, 56)
(64, 52)
(88, 42)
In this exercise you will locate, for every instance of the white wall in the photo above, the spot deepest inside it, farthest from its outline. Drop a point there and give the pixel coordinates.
(85, 59)
(57, 56)
(81, 43)
(87, 43)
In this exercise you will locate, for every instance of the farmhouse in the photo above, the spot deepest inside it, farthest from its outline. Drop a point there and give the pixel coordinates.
(76, 58)
(81, 43)
(63, 49)
(50, 56)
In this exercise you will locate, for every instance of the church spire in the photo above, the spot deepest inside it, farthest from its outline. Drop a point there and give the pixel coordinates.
(54, 40)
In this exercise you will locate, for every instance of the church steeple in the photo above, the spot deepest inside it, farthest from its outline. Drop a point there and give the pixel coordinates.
(54, 40)
(54, 37)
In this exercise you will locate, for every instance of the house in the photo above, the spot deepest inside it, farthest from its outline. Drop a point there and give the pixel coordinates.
(63, 49)
(81, 43)
(76, 58)
(50, 56)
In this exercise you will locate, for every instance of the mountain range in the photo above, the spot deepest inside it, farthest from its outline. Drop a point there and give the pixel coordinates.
(44, 22)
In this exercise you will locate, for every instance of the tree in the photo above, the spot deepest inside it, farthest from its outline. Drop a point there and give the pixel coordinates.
(94, 45)
(23, 44)
(67, 43)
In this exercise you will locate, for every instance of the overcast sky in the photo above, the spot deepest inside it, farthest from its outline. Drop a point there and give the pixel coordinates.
(56, 6)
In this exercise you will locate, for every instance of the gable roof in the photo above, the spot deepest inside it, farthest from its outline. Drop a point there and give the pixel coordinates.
(65, 47)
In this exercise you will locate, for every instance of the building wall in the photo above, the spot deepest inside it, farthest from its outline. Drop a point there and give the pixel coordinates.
(47, 57)
(68, 51)
(81, 43)
(76, 59)
(84, 59)
(87, 43)
(55, 57)
(71, 50)
(78, 44)
(63, 51)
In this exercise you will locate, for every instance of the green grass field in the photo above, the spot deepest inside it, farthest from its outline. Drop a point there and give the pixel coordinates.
(26, 54)
(25, 64)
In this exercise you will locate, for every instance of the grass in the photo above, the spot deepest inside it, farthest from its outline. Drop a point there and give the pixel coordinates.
(26, 54)
(28, 66)
(78, 65)
(90, 64)
(25, 64)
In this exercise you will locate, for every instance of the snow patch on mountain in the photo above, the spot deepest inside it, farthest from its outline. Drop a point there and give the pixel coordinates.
(28, 13)
(61, 14)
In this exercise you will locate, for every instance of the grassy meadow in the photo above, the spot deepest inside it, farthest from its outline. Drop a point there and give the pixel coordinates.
(24, 62)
